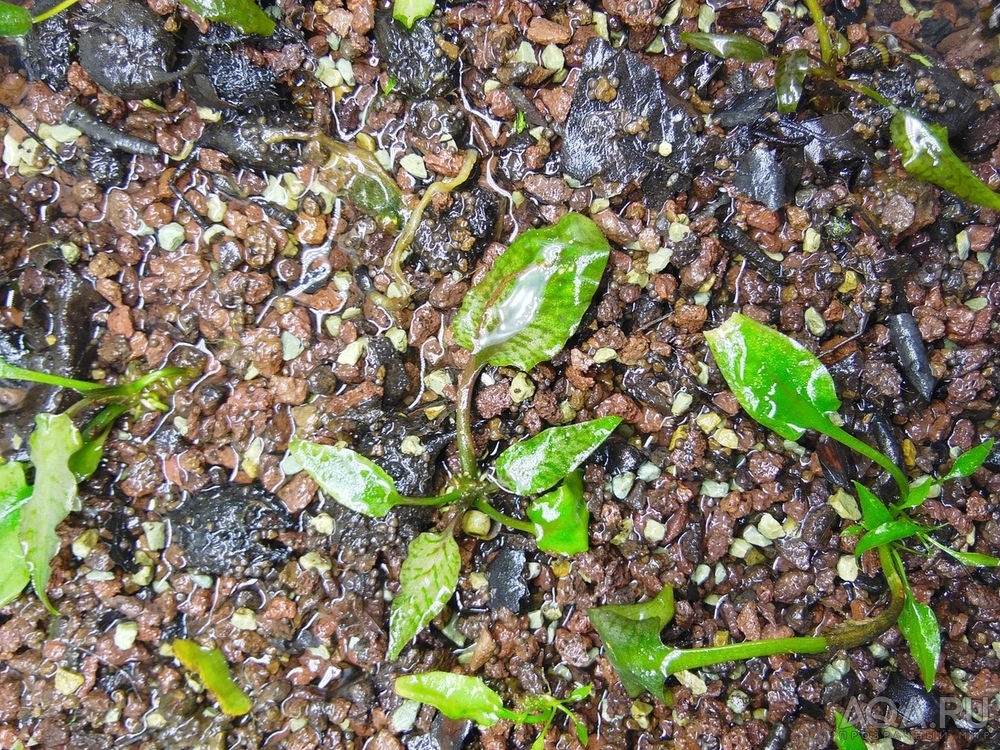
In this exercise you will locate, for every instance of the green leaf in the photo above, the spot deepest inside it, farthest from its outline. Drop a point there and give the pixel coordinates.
(427, 579)
(919, 492)
(534, 297)
(457, 696)
(210, 665)
(243, 15)
(14, 492)
(408, 12)
(890, 531)
(348, 477)
(846, 736)
(727, 46)
(631, 637)
(53, 497)
(919, 626)
(972, 559)
(789, 75)
(776, 380)
(873, 511)
(561, 518)
(966, 464)
(14, 20)
(927, 155)
(538, 463)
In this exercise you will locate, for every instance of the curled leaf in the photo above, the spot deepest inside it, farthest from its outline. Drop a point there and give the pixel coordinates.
(210, 665)
(927, 155)
(427, 579)
(631, 637)
(348, 477)
(789, 75)
(457, 696)
(243, 15)
(561, 518)
(538, 463)
(727, 46)
(533, 298)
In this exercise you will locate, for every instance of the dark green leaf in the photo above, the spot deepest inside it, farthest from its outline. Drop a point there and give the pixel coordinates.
(14, 492)
(243, 15)
(890, 531)
(538, 463)
(927, 155)
(919, 626)
(776, 380)
(210, 665)
(427, 579)
(14, 20)
(53, 497)
(631, 637)
(457, 696)
(348, 477)
(533, 298)
(972, 559)
(727, 46)
(873, 511)
(789, 75)
(846, 736)
(408, 12)
(966, 464)
(561, 518)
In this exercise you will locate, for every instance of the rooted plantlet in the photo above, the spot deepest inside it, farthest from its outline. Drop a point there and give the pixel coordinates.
(523, 312)
(460, 696)
(785, 388)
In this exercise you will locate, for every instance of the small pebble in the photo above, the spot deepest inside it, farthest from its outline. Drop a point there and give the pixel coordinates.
(769, 527)
(622, 484)
(654, 531)
(847, 568)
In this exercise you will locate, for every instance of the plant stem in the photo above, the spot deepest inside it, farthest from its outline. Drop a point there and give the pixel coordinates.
(446, 499)
(53, 11)
(514, 523)
(819, 18)
(842, 436)
(694, 658)
(463, 421)
(14, 372)
(853, 634)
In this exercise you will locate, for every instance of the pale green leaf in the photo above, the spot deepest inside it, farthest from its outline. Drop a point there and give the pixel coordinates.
(14, 491)
(534, 297)
(408, 12)
(457, 696)
(427, 579)
(53, 497)
(211, 666)
(539, 463)
(561, 518)
(348, 477)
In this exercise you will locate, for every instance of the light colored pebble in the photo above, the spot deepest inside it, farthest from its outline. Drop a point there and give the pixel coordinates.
(739, 548)
(437, 380)
(315, 561)
(170, 236)
(752, 535)
(126, 632)
(654, 531)
(711, 488)
(67, 682)
(405, 716)
(845, 505)
(605, 354)
(291, 346)
(553, 58)
(682, 402)
(621, 485)
(847, 568)
(769, 527)
(708, 422)
(411, 446)
(701, 574)
(692, 682)
(414, 164)
(322, 523)
(244, 619)
(814, 321)
(648, 472)
(353, 352)
(727, 438)
(521, 388)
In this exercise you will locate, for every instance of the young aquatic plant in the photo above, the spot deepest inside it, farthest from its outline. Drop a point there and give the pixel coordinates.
(211, 667)
(61, 456)
(460, 696)
(522, 313)
(785, 388)
(408, 12)
(926, 153)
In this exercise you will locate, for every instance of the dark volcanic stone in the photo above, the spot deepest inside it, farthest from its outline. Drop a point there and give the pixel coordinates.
(422, 68)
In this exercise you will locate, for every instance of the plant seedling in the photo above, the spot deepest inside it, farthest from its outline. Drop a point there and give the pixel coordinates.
(522, 313)
(62, 456)
(460, 696)
(926, 153)
(408, 12)
(785, 388)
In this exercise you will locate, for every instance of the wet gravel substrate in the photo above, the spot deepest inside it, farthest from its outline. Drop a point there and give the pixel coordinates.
(196, 525)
